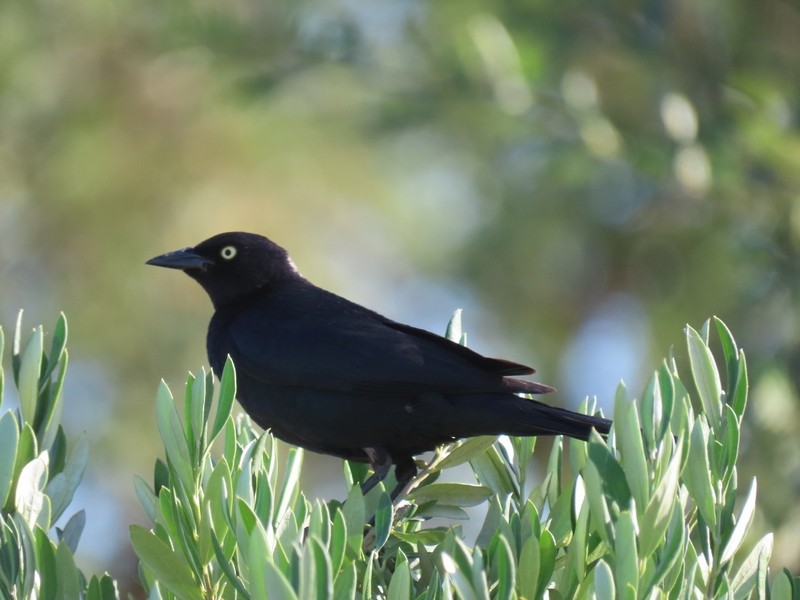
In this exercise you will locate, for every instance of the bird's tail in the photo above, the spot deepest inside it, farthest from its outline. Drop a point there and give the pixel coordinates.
(512, 415)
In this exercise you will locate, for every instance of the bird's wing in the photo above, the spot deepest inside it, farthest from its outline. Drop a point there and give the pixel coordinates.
(355, 350)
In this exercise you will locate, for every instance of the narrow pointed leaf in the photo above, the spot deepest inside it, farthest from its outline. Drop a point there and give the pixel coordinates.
(456, 494)
(742, 524)
(30, 369)
(170, 569)
(706, 377)
(226, 395)
(383, 520)
(466, 451)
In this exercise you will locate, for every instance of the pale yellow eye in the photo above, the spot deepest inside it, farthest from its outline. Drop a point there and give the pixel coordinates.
(228, 252)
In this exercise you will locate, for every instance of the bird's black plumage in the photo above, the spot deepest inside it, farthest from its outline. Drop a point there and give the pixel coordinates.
(334, 377)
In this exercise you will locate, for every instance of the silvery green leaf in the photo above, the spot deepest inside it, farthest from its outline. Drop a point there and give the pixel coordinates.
(742, 524)
(68, 576)
(226, 395)
(29, 372)
(30, 501)
(456, 494)
(706, 377)
(783, 587)
(467, 450)
(146, 496)
(657, 515)
(169, 568)
(71, 534)
(61, 488)
(628, 432)
(383, 520)
(173, 436)
(453, 332)
(698, 477)
(9, 437)
(626, 557)
(603, 581)
(400, 585)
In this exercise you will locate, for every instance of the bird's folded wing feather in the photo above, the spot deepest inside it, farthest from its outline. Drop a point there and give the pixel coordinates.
(367, 354)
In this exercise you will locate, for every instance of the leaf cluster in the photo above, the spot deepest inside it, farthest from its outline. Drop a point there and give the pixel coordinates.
(653, 511)
(39, 473)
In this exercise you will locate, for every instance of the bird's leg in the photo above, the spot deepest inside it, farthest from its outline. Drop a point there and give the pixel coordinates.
(381, 462)
(405, 469)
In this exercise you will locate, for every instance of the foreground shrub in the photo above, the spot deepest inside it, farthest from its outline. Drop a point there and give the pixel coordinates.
(654, 511)
(39, 473)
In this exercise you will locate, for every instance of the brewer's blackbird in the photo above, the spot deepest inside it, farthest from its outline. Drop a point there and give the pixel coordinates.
(334, 377)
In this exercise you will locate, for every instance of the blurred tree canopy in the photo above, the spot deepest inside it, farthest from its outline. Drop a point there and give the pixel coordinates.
(569, 170)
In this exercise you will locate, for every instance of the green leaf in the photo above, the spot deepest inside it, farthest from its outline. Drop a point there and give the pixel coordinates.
(226, 395)
(656, 517)
(49, 420)
(604, 581)
(706, 377)
(147, 498)
(16, 349)
(601, 516)
(628, 435)
(615, 484)
(467, 451)
(400, 584)
(9, 437)
(276, 585)
(338, 541)
(383, 520)
(2, 349)
(71, 534)
(354, 513)
(31, 503)
(291, 480)
(29, 371)
(345, 584)
(170, 569)
(493, 473)
(227, 569)
(742, 524)
(744, 579)
(45, 565)
(433, 510)
(315, 581)
(672, 553)
(461, 581)
(103, 588)
(782, 587)
(58, 344)
(453, 332)
(626, 557)
(456, 494)
(61, 488)
(528, 571)
(69, 585)
(699, 474)
(505, 566)
(195, 407)
(738, 399)
(173, 436)
(547, 561)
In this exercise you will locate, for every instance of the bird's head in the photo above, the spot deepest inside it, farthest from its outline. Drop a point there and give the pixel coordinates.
(230, 266)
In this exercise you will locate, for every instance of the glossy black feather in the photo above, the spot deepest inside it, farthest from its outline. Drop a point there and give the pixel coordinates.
(335, 377)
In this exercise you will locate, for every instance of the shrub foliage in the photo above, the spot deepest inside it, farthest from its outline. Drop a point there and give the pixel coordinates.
(653, 511)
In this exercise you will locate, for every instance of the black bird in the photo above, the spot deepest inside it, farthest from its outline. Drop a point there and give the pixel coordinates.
(334, 377)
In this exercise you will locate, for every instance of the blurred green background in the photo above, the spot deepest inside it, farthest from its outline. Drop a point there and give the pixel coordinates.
(582, 178)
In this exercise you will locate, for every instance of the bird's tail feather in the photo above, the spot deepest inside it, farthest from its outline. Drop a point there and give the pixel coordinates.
(512, 415)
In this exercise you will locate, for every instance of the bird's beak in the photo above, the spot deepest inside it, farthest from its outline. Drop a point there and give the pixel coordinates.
(183, 259)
